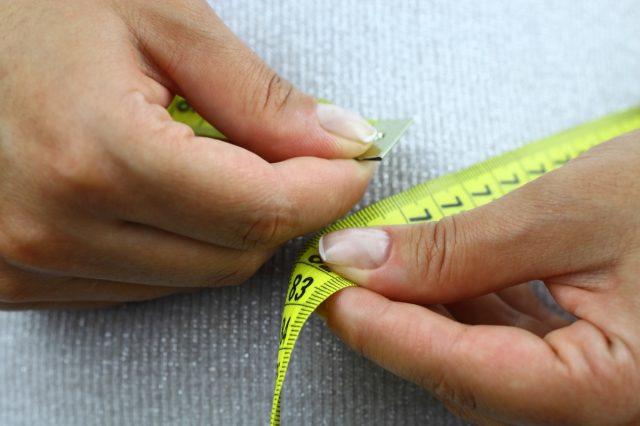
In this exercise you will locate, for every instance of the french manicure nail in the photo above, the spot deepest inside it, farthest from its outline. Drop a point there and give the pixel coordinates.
(344, 123)
(361, 248)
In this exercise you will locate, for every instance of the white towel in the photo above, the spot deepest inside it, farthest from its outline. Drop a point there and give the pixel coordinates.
(479, 77)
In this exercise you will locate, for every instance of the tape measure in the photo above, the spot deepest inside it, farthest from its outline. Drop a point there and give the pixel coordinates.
(389, 131)
(311, 282)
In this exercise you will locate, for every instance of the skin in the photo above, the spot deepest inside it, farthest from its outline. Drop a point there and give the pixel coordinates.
(104, 199)
(446, 310)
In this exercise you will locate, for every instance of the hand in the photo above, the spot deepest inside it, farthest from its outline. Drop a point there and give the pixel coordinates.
(494, 354)
(103, 198)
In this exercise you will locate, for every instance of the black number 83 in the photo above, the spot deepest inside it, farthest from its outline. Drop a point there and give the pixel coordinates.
(296, 295)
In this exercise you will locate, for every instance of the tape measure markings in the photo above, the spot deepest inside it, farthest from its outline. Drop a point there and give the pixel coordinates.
(181, 111)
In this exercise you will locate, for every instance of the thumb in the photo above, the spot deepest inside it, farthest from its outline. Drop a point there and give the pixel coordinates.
(231, 87)
(512, 240)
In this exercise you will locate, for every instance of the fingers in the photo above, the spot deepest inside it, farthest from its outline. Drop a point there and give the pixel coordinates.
(241, 95)
(126, 252)
(506, 373)
(20, 288)
(490, 309)
(512, 240)
(469, 366)
(524, 299)
(517, 306)
(222, 194)
(144, 255)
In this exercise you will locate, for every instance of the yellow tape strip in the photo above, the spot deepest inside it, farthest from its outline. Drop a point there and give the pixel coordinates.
(311, 282)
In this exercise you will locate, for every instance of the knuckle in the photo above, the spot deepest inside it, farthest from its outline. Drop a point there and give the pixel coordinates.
(270, 226)
(434, 245)
(237, 272)
(449, 393)
(268, 92)
(32, 245)
(79, 177)
(277, 93)
(261, 231)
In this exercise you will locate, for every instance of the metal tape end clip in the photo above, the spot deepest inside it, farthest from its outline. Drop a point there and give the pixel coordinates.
(390, 132)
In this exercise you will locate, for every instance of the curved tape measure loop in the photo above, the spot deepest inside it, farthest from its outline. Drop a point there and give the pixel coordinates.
(311, 282)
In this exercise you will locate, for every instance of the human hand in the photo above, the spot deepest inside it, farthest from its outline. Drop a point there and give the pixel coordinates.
(103, 198)
(493, 353)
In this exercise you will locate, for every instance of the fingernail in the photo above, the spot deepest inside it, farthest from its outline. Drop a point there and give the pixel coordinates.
(346, 124)
(361, 248)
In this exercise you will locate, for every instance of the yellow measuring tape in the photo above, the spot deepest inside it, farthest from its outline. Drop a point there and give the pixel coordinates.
(311, 282)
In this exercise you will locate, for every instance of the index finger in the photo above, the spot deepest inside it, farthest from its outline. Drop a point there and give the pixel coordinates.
(504, 373)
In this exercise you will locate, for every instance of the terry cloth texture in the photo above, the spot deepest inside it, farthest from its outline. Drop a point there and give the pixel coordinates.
(478, 77)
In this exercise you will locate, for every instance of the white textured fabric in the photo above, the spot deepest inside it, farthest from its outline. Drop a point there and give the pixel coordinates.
(479, 77)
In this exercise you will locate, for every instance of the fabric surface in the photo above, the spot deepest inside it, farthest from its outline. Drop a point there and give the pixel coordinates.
(478, 77)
